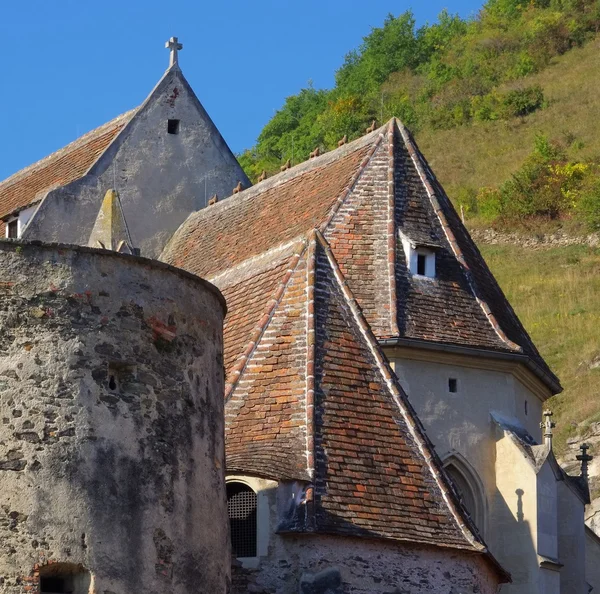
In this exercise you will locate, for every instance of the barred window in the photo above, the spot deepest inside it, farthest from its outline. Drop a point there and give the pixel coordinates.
(241, 505)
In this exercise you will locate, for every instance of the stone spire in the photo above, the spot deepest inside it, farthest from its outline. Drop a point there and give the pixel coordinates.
(174, 46)
(547, 426)
(584, 458)
(110, 230)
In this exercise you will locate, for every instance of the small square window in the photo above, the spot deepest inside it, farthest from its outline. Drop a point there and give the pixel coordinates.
(12, 229)
(452, 385)
(173, 126)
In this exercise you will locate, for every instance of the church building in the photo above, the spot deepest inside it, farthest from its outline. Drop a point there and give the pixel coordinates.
(385, 420)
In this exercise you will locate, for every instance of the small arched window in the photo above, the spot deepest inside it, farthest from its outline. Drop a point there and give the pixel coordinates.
(241, 506)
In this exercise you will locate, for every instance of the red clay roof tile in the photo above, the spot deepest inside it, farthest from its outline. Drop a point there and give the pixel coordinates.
(62, 167)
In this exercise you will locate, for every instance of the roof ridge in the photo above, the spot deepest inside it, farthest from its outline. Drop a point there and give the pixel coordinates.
(348, 189)
(416, 428)
(239, 366)
(286, 176)
(268, 259)
(311, 339)
(68, 148)
(391, 228)
(437, 208)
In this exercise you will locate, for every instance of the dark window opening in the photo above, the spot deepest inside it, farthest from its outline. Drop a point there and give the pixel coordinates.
(453, 385)
(173, 126)
(53, 584)
(421, 261)
(64, 578)
(13, 229)
(112, 384)
(241, 506)
(526, 408)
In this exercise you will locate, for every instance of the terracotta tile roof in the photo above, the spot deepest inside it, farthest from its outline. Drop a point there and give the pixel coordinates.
(374, 471)
(362, 197)
(316, 401)
(265, 412)
(62, 167)
(264, 216)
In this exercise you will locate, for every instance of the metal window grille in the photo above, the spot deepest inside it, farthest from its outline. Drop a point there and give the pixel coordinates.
(241, 505)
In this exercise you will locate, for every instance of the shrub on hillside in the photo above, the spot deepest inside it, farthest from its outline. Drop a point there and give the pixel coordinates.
(521, 102)
(589, 204)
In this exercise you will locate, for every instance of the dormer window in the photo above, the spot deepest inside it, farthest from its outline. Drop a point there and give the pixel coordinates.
(420, 256)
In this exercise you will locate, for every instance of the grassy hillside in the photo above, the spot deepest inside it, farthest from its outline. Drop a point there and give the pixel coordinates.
(555, 293)
(487, 153)
(502, 104)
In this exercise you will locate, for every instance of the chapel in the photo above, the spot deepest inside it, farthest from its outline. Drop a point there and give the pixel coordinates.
(385, 426)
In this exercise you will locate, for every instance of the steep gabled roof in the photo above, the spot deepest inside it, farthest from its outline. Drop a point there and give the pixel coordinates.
(62, 167)
(316, 401)
(268, 214)
(366, 197)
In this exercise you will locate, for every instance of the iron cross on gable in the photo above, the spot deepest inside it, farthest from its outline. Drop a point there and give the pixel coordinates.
(174, 46)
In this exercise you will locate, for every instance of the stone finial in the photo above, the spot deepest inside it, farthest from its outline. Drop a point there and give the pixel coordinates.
(110, 231)
(547, 425)
(315, 153)
(584, 458)
(213, 199)
(263, 176)
(238, 188)
(371, 128)
(343, 141)
(286, 165)
(174, 46)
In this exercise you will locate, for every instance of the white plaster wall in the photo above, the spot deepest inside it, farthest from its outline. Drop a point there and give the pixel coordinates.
(514, 519)
(161, 178)
(571, 541)
(547, 512)
(460, 422)
(592, 560)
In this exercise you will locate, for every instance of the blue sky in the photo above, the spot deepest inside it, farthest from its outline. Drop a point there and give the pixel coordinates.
(71, 65)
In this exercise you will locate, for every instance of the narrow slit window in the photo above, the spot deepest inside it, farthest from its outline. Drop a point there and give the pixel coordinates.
(421, 264)
(452, 385)
(173, 126)
(241, 506)
(526, 408)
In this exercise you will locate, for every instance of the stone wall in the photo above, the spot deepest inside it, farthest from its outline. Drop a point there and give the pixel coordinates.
(111, 424)
(321, 564)
(535, 241)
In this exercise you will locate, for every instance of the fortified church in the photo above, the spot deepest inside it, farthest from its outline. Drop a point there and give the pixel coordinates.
(309, 385)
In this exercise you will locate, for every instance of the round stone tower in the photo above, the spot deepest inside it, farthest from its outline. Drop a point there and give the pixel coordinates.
(111, 425)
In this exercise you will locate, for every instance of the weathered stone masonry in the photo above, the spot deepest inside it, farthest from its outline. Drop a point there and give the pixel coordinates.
(111, 424)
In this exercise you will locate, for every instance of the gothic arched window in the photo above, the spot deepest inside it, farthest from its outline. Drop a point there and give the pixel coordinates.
(469, 488)
(241, 506)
